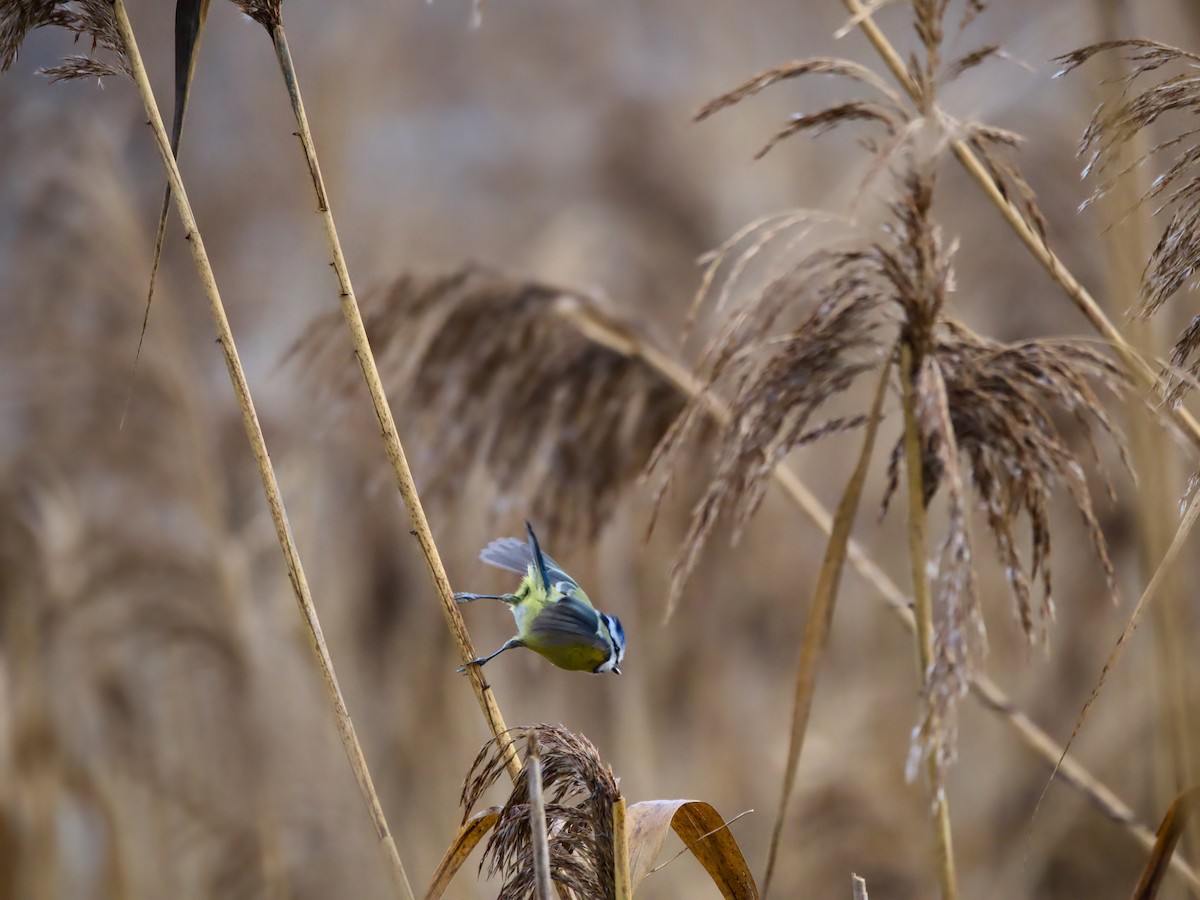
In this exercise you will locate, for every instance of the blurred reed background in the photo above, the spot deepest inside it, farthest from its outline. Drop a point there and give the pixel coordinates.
(152, 748)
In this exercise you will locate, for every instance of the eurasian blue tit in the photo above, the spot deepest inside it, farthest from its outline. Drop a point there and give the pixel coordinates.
(554, 616)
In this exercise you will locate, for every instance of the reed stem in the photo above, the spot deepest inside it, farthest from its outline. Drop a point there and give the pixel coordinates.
(387, 424)
(923, 613)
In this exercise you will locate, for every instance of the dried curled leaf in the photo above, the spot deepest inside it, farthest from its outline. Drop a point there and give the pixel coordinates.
(502, 376)
(579, 791)
(702, 831)
(1173, 262)
(84, 18)
(470, 833)
(1181, 810)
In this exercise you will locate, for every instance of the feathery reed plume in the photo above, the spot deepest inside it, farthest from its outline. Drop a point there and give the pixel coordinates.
(267, 13)
(913, 272)
(84, 18)
(778, 385)
(994, 404)
(579, 793)
(495, 376)
(1002, 399)
(1116, 123)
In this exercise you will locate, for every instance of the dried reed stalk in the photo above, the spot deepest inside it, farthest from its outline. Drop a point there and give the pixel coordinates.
(622, 877)
(383, 412)
(539, 840)
(1029, 234)
(258, 445)
(923, 614)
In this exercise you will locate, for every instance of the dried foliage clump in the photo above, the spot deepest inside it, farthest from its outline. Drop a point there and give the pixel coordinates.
(84, 18)
(1115, 124)
(496, 376)
(579, 791)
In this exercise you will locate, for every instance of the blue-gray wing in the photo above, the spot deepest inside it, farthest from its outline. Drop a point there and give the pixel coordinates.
(568, 623)
(516, 555)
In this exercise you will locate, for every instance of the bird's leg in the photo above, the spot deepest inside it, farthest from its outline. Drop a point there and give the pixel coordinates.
(479, 661)
(462, 597)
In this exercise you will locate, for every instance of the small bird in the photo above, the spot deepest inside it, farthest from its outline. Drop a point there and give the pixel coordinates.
(554, 616)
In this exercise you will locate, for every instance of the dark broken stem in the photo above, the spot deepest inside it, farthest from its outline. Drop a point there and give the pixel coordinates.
(923, 611)
(387, 424)
(266, 471)
(190, 16)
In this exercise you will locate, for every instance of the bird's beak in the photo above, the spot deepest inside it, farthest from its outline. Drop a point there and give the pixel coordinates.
(616, 671)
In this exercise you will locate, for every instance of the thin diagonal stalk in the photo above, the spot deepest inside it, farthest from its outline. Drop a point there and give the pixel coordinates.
(923, 611)
(258, 445)
(387, 423)
(815, 638)
(1141, 370)
(621, 340)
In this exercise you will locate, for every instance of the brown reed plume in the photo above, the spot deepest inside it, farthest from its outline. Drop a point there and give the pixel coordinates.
(494, 374)
(914, 273)
(580, 792)
(91, 20)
